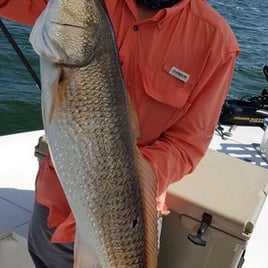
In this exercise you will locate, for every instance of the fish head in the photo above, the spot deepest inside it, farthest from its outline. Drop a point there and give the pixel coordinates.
(67, 32)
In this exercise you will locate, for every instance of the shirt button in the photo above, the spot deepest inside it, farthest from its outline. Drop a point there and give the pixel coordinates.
(135, 28)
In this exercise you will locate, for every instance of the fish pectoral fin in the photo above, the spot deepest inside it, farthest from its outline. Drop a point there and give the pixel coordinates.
(53, 88)
(134, 121)
(84, 256)
(53, 105)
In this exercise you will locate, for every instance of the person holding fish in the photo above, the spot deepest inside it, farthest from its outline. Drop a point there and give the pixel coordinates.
(177, 59)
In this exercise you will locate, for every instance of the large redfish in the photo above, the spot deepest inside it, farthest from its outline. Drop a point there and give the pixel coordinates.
(87, 124)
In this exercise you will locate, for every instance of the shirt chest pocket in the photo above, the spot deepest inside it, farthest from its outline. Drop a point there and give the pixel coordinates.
(165, 98)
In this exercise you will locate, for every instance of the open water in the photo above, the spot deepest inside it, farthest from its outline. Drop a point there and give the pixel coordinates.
(20, 97)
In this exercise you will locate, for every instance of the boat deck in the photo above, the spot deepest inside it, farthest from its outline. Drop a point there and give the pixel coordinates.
(17, 175)
(19, 167)
(244, 144)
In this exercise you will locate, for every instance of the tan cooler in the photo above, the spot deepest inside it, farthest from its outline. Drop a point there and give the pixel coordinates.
(213, 213)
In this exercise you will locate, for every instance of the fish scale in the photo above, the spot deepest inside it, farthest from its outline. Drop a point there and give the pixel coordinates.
(87, 124)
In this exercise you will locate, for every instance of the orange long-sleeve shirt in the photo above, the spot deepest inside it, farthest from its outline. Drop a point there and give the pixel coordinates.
(22, 11)
(177, 67)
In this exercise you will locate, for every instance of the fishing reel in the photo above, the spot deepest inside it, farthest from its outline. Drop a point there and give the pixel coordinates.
(247, 111)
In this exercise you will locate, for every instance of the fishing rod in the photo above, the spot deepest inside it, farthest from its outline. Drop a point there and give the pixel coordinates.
(20, 54)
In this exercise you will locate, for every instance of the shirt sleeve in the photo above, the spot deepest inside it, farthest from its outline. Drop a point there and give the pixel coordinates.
(181, 147)
(22, 11)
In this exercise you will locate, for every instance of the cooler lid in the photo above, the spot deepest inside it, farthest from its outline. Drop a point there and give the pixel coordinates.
(229, 189)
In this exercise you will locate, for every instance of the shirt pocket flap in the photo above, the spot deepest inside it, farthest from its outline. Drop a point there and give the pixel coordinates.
(165, 88)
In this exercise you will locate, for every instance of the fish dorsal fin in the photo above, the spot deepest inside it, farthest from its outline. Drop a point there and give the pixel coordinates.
(147, 182)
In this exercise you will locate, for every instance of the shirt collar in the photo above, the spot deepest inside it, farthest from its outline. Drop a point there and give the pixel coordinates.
(162, 15)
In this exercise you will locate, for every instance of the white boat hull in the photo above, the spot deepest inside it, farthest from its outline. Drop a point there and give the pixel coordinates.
(17, 177)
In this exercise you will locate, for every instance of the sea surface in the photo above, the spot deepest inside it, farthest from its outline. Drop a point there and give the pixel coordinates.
(20, 97)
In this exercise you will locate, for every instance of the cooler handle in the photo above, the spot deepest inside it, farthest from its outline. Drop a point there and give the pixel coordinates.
(197, 239)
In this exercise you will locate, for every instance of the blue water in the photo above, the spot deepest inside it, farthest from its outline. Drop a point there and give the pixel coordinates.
(249, 21)
(20, 97)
